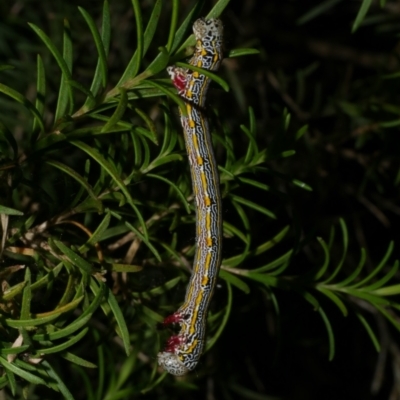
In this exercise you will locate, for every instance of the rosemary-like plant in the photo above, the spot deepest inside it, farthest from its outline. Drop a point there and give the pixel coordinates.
(97, 215)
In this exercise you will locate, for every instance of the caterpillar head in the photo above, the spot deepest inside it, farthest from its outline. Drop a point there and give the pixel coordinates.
(212, 27)
(171, 363)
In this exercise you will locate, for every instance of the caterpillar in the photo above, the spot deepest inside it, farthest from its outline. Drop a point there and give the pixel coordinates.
(183, 351)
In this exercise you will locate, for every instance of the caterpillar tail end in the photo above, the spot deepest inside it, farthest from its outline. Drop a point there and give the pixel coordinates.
(171, 363)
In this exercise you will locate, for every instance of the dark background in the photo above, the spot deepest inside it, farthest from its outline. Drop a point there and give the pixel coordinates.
(328, 78)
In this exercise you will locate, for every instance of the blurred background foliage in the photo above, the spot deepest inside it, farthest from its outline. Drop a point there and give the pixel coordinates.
(324, 98)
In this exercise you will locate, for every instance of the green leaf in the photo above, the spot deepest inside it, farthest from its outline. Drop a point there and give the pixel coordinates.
(80, 179)
(372, 298)
(395, 75)
(393, 320)
(252, 123)
(352, 110)
(65, 96)
(157, 291)
(286, 121)
(180, 33)
(10, 211)
(313, 301)
(302, 185)
(156, 66)
(134, 64)
(242, 52)
(173, 96)
(378, 268)
(73, 327)
(101, 228)
(275, 263)
(321, 271)
(281, 269)
(11, 382)
(301, 132)
(13, 350)
(393, 290)
(152, 25)
(6, 67)
(244, 218)
(252, 205)
(254, 183)
(272, 298)
(26, 323)
(174, 254)
(77, 360)
(172, 27)
(262, 248)
(99, 72)
(139, 234)
(370, 332)
(140, 39)
(231, 230)
(40, 92)
(169, 139)
(356, 272)
(331, 337)
(390, 124)
(386, 278)
(65, 345)
(152, 315)
(290, 153)
(234, 280)
(146, 133)
(362, 12)
(176, 189)
(101, 51)
(161, 161)
(26, 296)
(217, 10)
(83, 89)
(21, 372)
(56, 54)
(113, 304)
(150, 124)
(225, 174)
(267, 280)
(24, 101)
(335, 299)
(94, 153)
(48, 141)
(222, 324)
(345, 245)
(155, 383)
(126, 268)
(81, 321)
(60, 384)
(127, 368)
(253, 148)
(118, 113)
(77, 260)
(321, 8)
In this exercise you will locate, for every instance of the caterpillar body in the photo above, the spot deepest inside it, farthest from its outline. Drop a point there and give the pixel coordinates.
(183, 351)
